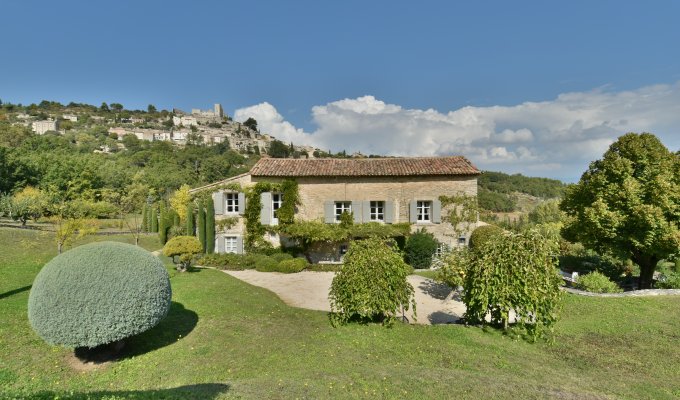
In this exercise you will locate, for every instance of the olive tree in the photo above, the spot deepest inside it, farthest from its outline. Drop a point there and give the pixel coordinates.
(628, 203)
(372, 283)
(182, 250)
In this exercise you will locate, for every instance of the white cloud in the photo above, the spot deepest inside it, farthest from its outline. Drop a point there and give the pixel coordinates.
(556, 138)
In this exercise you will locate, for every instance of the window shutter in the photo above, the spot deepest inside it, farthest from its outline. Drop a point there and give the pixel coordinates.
(413, 212)
(357, 211)
(266, 210)
(389, 212)
(220, 244)
(218, 199)
(328, 212)
(437, 212)
(367, 211)
(239, 245)
(241, 203)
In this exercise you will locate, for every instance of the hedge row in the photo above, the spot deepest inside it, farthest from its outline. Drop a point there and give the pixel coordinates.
(279, 262)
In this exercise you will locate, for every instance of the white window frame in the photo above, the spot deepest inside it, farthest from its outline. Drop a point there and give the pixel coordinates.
(341, 206)
(377, 211)
(231, 244)
(277, 201)
(424, 211)
(231, 203)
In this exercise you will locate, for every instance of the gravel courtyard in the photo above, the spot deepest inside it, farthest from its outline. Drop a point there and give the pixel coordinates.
(436, 303)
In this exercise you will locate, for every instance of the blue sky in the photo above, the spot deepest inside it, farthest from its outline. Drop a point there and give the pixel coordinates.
(509, 84)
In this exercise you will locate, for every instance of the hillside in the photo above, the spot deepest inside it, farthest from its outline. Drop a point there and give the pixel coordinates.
(500, 192)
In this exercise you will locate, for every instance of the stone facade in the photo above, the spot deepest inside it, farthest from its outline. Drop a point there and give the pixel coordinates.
(40, 127)
(318, 196)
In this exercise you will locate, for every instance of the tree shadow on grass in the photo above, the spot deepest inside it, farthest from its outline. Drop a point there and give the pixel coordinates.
(198, 391)
(176, 325)
(15, 291)
(441, 317)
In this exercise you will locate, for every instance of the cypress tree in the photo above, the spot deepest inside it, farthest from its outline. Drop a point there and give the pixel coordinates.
(154, 220)
(175, 218)
(163, 224)
(145, 218)
(190, 220)
(210, 226)
(201, 225)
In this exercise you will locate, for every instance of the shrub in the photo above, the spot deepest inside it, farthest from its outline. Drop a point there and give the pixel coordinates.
(266, 264)
(281, 257)
(419, 249)
(292, 265)
(481, 235)
(514, 272)
(371, 285)
(184, 248)
(97, 294)
(670, 280)
(597, 283)
(454, 268)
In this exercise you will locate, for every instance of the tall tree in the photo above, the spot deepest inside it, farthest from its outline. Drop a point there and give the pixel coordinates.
(190, 220)
(209, 226)
(201, 224)
(628, 203)
(154, 220)
(163, 225)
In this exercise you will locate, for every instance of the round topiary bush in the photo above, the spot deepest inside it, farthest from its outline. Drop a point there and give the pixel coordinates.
(483, 234)
(97, 294)
(597, 282)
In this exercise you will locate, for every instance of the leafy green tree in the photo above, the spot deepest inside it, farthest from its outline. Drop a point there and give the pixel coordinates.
(251, 123)
(104, 107)
(628, 203)
(182, 249)
(278, 149)
(117, 107)
(483, 235)
(209, 226)
(372, 284)
(546, 212)
(420, 248)
(154, 220)
(145, 218)
(513, 272)
(201, 225)
(29, 203)
(163, 225)
(151, 109)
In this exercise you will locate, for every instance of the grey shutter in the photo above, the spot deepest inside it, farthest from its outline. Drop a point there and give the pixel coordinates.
(220, 244)
(239, 245)
(266, 210)
(413, 212)
(356, 210)
(241, 203)
(328, 212)
(218, 199)
(437, 211)
(389, 212)
(367, 211)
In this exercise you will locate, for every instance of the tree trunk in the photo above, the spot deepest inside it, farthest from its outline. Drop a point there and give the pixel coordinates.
(647, 267)
(137, 240)
(59, 246)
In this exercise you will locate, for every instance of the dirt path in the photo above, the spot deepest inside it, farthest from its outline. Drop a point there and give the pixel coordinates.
(435, 302)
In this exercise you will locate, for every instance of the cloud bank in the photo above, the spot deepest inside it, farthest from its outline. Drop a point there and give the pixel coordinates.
(556, 138)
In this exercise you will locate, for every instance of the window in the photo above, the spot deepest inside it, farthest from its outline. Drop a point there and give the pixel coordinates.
(342, 250)
(377, 210)
(232, 203)
(277, 200)
(424, 209)
(341, 207)
(230, 244)
(462, 241)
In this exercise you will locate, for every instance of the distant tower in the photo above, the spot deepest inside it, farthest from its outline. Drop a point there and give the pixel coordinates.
(218, 110)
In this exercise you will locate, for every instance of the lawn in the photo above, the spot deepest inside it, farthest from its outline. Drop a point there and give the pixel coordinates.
(227, 339)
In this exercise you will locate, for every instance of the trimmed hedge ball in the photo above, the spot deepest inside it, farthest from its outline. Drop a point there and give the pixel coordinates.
(97, 294)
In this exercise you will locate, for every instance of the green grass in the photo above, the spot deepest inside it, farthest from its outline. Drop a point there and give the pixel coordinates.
(227, 339)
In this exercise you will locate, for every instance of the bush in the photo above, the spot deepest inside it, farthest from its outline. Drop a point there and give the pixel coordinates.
(97, 294)
(481, 235)
(292, 265)
(183, 247)
(419, 249)
(371, 285)
(670, 280)
(228, 261)
(597, 283)
(281, 257)
(266, 264)
(514, 272)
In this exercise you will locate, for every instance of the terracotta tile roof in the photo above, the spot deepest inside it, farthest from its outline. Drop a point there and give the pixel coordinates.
(420, 166)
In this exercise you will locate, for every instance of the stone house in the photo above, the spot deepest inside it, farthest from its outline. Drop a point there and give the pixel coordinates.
(383, 190)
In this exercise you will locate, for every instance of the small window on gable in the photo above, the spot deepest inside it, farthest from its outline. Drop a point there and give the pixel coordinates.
(424, 210)
(232, 202)
(341, 207)
(377, 210)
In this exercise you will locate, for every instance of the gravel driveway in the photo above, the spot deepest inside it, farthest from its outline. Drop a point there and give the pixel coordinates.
(436, 303)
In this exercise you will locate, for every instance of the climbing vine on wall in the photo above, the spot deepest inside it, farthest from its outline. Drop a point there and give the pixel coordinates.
(462, 212)
(286, 213)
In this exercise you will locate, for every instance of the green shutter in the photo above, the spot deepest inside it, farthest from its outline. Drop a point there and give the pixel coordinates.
(357, 210)
(413, 212)
(266, 210)
(437, 211)
(367, 210)
(239, 245)
(389, 212)
(220, 244)
(241, 203)
(218, 199)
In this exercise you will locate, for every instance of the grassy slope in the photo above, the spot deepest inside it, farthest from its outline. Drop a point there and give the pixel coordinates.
(247, 343)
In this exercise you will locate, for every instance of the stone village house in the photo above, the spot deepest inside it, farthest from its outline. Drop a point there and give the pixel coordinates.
(384, 190)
